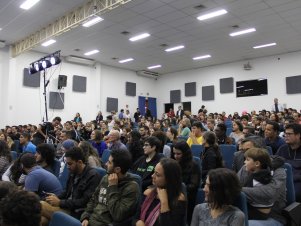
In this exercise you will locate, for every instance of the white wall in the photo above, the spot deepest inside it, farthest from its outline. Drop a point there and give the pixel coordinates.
(274, 68)
(21, 105)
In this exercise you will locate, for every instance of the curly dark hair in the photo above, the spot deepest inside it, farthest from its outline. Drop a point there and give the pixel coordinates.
(21, 208)
(47, 151)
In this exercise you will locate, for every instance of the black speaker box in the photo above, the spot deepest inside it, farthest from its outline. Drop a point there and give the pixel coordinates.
(62, 82)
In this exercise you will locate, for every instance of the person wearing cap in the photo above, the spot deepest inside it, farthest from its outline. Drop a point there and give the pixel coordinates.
(195, 136)
(27, 146)
(37, 179)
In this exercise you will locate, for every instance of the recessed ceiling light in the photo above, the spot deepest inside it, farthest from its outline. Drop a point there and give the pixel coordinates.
(49, 42)
(242, 32)
(28, 4)
(265, 45)
(213, 14)
(126, 60)
(201, 57)
(153, 67)
(138, 37)
(91, 52)
(174, 48)
(92, 21)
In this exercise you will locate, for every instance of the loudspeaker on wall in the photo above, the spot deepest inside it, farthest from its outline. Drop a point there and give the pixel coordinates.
(62, 82)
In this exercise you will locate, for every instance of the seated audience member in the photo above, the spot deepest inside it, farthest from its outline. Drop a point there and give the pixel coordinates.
(37, 179)
(172, 135)
(5, 157)
(68, 126)
(145, 165)
(246, 144)
(66, 145)
(144, 132)
(221, 189)
(27, 146)
(273, 192)
(81, 185)
(220, 132)
(211, 124)
(258, 163)
(6, 188)
(97, 142)
(195, 136)
(244, 119)
(45, 156)
(165, 203)
(20, 208)
(114, 142)
(211, 156)
(291, 152)
(135, 145)
(248, 131)
(191, 174)
(184, 127)
(237, 129)
(272, 138)
(165, 149)
(90, 153)
(64, 135)
(116, 197)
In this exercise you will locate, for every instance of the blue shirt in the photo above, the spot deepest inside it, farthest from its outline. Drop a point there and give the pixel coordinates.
(30, 147)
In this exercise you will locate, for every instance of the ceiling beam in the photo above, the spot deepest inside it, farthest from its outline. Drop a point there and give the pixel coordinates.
(66, 23)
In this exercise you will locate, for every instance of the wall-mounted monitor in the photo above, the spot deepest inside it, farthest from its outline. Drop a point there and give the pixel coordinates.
(256, 87)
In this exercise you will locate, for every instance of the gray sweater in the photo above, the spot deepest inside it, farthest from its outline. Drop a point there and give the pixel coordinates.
(274, 192)
(202, 217)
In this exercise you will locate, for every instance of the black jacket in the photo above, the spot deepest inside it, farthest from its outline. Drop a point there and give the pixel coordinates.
(80, 189)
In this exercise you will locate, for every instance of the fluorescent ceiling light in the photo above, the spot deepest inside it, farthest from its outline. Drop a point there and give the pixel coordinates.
(242, 32)
(174, 48)
(49, 42)
(91, 52)
(265, 45)
(213, 14)
(28, 4)
(0, 29)
(201, 57)
(138, 37)
(92, 21)
(153, 67)
(125, 60)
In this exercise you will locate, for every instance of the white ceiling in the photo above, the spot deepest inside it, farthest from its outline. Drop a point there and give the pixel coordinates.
(170, 22)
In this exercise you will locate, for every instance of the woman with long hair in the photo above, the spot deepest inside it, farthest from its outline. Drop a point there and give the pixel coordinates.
(211, 156)
(91, 154)
(97, 142)
(135, 145)
(221, 188)
(191, 173)
(164, 203)
(237, 133)
(45, 155)
(5, 157)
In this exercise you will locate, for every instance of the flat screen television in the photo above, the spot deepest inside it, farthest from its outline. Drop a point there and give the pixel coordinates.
(256, 87)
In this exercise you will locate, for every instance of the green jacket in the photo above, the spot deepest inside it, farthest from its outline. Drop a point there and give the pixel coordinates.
(112, 204)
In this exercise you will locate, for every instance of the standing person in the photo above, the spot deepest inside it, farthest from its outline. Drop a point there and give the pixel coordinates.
(291, 152)
(180, 113)
(276, 107)
(137, 115)
(171, 113)
(148, 114)
(211, 156)
(165, 203)
(191, 173)
(221, 188)
(99, 117)
(116, 198)
(145, 165)
(77, 118)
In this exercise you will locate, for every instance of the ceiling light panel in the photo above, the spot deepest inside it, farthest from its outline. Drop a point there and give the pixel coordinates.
(213, 14)
(28, 4)
(126, 60)
(139, 37)
(174, 48)
(154, 67)
(265, 45)
(201, 57)
(94, 20)
(91, 52)
(48, 43)
(242, 32)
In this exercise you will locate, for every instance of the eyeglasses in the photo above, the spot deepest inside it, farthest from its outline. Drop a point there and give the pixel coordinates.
(288, 134)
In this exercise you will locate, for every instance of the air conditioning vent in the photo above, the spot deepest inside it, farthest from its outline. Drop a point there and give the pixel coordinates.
(79, 60)
(149, 74)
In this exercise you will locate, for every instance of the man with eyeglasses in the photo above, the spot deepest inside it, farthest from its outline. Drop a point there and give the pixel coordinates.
(291, 151)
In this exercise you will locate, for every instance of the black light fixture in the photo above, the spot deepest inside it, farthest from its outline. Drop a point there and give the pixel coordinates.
(45, 62)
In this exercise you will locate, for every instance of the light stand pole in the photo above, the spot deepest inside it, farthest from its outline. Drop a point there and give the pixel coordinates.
(44, 93)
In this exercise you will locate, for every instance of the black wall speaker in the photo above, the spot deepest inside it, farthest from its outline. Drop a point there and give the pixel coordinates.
(62, 82)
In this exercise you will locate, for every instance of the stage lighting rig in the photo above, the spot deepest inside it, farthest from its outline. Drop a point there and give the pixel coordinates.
(45, 62)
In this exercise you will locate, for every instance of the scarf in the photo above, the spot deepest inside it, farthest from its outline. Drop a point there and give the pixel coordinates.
(154, 214)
